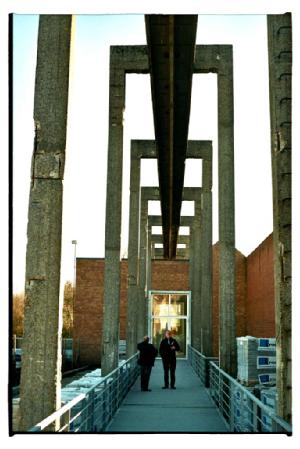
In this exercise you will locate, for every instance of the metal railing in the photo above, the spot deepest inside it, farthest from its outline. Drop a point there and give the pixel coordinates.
(93, 410)
(243, 411)
(200, 364)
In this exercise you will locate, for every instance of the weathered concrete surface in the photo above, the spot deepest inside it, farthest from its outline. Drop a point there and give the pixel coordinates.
(206, 259)
(139, 149)
(196, 276)
(218, 59)
(142, 305)
(280, 74)
(181, 253)
(123, 59)
(41, 359)
(186, 409)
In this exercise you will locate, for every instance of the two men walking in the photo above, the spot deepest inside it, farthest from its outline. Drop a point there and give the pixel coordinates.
(167, 351)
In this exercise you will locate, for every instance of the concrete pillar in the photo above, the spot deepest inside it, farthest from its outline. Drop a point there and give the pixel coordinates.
(41, 357)
(191, 275)
(110, 337)
(196, 278)
(139, 149)
(228, 350)
(218, 59)
(206, 259)
(142, 309)
(280, 75)
(133, 251)
(123, 59)
(149, 260)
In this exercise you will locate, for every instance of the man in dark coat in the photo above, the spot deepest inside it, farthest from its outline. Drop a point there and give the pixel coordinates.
(146, 360)
(167, 351)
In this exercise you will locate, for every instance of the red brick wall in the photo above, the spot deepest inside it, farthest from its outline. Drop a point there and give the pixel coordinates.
(240, 294)
(170, 275)
(255, 296)
(88, 309)
(260, 291)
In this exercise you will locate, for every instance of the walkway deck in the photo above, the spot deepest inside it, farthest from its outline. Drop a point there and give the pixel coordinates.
(186, 409)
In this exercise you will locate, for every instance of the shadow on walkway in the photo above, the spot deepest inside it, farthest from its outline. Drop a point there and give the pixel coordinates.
(186, 409)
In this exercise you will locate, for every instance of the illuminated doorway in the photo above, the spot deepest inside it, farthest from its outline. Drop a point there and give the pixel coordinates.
(170, 311)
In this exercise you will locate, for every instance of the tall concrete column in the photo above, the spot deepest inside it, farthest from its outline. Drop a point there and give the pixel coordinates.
(227, 287)
(123, 59)
(41, 356)
(196, 267)
(191, 265)
(206, 259)
(142, 309)
(219, 59)
(140, 149)
(149, 259)
(133, 251)
(110, 337)
(280, 76)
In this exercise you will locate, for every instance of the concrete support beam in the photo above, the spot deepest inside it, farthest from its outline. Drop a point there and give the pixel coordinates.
(41, 356)
(142, 305)
(280, 79)
(123, 59)
(149, 260)
(182, 253)
(218, 59)
(196, 309)
(182, 239)
(206, 258)
(139, 149)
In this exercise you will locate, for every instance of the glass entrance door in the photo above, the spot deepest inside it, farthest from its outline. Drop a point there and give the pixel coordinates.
(170, 311)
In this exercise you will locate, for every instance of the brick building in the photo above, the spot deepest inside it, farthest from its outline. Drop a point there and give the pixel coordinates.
(254, 292)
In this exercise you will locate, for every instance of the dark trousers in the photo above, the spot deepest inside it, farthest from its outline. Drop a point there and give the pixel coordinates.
(169, 366)
(145, 376)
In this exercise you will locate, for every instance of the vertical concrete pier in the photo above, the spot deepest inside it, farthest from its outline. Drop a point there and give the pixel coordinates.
(206, 258)
(280, 75)
(123, 59)
(196, 276)
(139, 149)
(219, 59)
(133, 251)
(41, 356)
(142, 309)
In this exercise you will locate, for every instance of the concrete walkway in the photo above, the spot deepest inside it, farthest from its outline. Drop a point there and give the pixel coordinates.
(186, 409)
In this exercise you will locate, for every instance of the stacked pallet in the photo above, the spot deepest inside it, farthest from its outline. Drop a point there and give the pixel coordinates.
(256, 360)
(268, 396)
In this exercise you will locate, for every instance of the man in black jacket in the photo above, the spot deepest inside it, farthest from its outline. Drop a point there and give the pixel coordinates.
(167, 351)
(146, 360)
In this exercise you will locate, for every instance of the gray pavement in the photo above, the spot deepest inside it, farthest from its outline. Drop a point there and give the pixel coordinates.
(186, 409)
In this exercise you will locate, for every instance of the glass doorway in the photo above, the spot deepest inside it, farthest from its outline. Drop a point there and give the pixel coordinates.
(170, 311)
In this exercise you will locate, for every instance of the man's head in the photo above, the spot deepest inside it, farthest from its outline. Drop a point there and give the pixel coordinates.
(168, 334)
(146, 338)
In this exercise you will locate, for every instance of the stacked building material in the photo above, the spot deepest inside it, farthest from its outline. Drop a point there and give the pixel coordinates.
(268, 397)
(242, 409)
(256, 359)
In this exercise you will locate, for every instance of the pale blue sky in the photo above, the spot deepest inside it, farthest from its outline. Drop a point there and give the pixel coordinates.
(86, 153)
